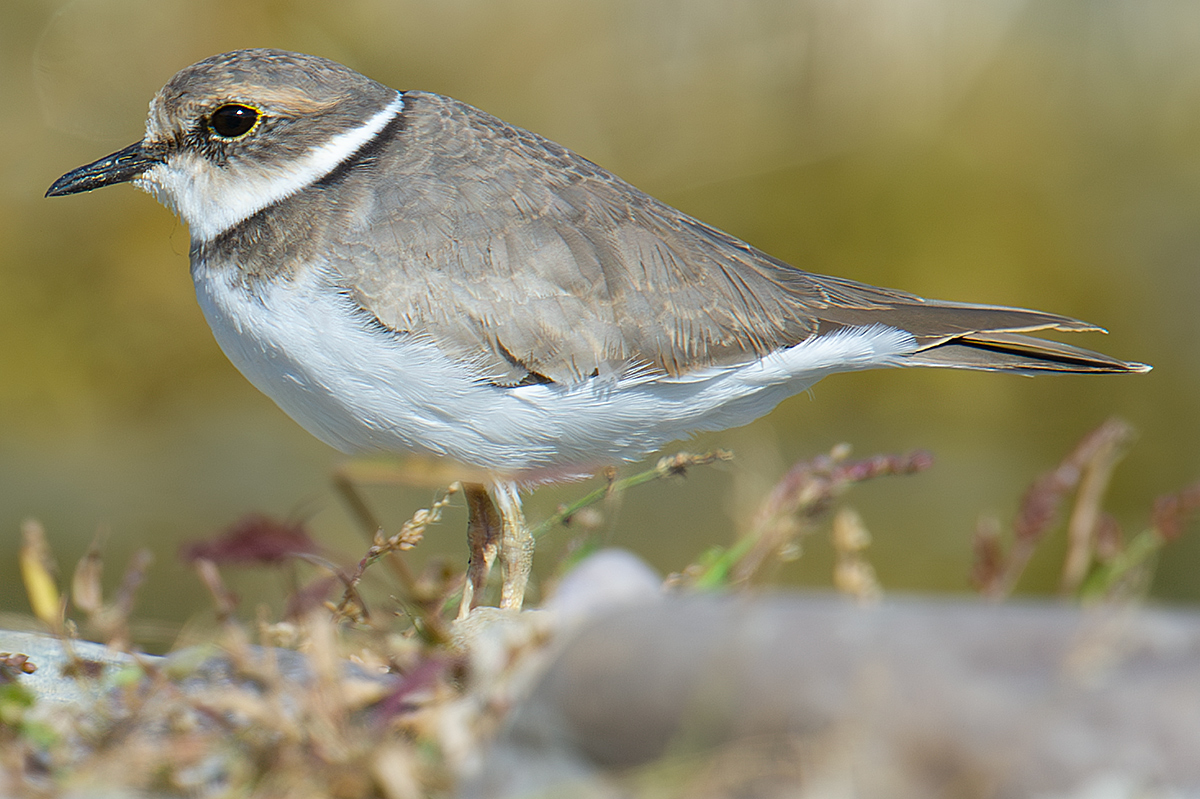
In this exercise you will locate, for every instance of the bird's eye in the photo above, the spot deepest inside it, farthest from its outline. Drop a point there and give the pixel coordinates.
(233, 121)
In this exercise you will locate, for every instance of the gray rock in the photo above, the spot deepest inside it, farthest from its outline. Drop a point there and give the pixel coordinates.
(56, 659)
(813, 696)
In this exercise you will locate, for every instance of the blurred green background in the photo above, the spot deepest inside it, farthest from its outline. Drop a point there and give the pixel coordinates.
(1036, 154)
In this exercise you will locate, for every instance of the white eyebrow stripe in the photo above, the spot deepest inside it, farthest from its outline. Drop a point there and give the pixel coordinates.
(212, 200)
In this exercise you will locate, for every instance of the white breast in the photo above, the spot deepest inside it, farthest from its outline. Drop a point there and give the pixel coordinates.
(362, 388)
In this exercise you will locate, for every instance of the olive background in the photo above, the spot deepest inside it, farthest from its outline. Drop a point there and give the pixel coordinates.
(1043, 155)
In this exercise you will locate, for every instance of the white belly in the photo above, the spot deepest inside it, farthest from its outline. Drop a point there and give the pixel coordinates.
(361, 388)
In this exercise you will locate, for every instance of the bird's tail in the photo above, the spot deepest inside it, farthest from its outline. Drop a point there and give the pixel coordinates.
(986, 337)
(1001, 351)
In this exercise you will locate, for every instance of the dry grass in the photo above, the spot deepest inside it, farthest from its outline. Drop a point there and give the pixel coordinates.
(394, 699)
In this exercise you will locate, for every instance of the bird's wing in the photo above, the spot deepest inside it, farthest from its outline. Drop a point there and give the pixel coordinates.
(510, 252)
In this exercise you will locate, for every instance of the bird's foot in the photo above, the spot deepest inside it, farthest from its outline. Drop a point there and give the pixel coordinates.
(496, 529)
(516, 547)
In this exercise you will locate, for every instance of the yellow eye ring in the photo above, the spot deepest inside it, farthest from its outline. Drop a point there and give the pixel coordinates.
(234, 120)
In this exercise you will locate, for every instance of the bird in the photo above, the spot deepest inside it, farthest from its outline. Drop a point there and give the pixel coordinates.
(402, 272)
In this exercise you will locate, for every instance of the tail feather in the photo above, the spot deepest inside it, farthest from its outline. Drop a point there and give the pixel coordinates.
(964, 335)
(1003, 351)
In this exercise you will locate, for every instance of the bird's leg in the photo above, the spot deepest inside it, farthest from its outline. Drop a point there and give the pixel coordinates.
(516, 546)
(483, 539)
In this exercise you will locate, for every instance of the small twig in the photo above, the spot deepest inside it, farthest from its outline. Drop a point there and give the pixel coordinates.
(210, 577)
(38, 570)
(853, 574)
(1174, 511)
(1170, 516)
(1112, 441)
(344, 485)
(1097, 452)
(804, 493)
(409, 535)
(87, 590)
(670, 466)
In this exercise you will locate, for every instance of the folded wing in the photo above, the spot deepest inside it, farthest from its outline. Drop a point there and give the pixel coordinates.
(513, 253)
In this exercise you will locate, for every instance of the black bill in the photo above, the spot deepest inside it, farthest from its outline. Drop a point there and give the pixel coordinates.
(119, 167)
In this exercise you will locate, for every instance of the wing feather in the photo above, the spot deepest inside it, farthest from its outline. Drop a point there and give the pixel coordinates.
(512, 253)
